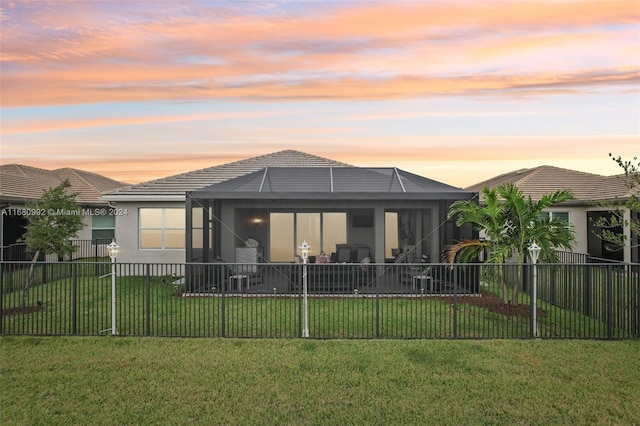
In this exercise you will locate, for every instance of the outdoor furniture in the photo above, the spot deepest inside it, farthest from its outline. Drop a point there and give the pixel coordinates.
(343, 254)
(421, 280)
(209, 277)
(236, 281)
(413, 274)
(363, 253)
(248, 259)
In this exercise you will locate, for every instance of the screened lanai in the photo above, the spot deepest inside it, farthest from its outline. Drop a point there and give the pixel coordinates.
(386, 213)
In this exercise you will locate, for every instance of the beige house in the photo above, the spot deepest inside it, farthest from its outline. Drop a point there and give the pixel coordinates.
(152, 223)
(590, 191)
(175, 219)
(20, 184)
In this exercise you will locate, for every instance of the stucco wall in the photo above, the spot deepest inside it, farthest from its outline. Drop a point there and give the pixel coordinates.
(127, 235)
(577, 218)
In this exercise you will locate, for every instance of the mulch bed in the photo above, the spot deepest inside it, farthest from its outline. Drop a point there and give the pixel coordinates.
(23, 311)
(494, 303)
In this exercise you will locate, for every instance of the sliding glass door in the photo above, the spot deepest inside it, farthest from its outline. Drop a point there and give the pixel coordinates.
(321, 230)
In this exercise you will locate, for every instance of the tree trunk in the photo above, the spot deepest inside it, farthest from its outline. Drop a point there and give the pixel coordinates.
(505, 292)
(30, 279)
(514, 299)
(516, 286)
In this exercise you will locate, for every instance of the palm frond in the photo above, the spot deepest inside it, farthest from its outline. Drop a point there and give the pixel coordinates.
(465, 250)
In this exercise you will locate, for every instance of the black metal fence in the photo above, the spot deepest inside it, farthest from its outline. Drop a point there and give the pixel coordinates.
(593, 301)
(90, 250)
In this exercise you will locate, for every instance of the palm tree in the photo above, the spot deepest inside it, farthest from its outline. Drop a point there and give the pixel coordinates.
(511, 222)
(490, 219)
(530, 224)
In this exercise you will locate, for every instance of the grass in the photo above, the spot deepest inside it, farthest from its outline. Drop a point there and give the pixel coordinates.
(116, 380)
(150, 307)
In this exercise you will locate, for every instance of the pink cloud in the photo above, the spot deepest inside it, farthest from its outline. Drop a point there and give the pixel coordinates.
(363, 51)
(49, 125)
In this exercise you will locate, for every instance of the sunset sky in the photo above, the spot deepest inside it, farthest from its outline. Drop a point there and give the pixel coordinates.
(457, 91)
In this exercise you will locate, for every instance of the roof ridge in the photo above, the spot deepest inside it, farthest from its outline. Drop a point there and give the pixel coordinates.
(22, 182)
(530, 174)
(497, 177)
(249, 160)
(82, 174)
(203, 169)
(80, 177)
(619, 180)
(572, 171)
(22, 168)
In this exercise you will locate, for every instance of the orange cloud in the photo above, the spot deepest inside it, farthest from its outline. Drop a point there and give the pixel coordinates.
(359, 51)
(49, 125)
(23, 91)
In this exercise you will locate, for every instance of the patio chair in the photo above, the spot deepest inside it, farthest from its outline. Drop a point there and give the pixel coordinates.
(210, 277)
(343, 254)
(363, 253)
(243, 275)
(418, 274)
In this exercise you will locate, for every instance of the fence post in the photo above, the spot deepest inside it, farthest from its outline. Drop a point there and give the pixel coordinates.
(299, 279)
(223, 320)
(1, 297)
(532, 303)
(609, 302)
(148, 301)
(43, 272)
(74, 301)
(553, 282)
(455, 302)
(586, 291)
(97, 271)
(637, 293)
(377, 309)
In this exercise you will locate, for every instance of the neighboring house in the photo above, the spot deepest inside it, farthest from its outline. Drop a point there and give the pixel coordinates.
(278, 199)
(20, 184)
(590, 191)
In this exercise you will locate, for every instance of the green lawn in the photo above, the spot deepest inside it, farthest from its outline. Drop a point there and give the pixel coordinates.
(116, 380)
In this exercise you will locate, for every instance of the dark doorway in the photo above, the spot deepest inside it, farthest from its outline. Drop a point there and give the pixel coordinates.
(596, 245)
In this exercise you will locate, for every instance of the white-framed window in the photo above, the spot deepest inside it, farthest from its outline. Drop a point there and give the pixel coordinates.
(162, 228)
(556, 216)
(103, 228)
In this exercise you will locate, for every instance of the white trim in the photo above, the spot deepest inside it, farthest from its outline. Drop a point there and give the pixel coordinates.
(331, 177)
(264, 177)
(136, 198)
(395, 169)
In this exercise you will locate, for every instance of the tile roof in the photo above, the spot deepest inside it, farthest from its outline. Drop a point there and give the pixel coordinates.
(179, 185)
(330, 183)
(20, 183)
(542, 180)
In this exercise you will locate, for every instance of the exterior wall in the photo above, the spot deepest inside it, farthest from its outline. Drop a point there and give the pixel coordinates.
(577, 218)
(127, 235)
(85, 233)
